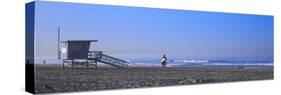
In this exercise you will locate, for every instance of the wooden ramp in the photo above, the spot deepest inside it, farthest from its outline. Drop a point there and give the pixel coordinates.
(106, 59)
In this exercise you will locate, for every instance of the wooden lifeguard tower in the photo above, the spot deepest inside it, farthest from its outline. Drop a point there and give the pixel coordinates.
(77, 52)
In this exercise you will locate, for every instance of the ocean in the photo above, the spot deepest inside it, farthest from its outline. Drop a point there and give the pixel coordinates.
(191, 62)
(188, 62)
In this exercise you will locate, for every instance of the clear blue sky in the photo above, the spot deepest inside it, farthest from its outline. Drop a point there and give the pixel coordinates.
(130, 32)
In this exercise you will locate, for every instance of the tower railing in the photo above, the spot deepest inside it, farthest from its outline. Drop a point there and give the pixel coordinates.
(103, 58)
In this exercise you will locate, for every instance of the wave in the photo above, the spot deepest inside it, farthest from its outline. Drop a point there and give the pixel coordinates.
(241, 64)
(196, 62)
(205, 64)
(144, 65)
(190, 61)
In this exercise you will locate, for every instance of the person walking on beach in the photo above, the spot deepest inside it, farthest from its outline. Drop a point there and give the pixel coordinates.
(44, 61)
(164, 61)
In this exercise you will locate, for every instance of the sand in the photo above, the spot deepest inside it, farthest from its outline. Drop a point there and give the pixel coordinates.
(52, 78)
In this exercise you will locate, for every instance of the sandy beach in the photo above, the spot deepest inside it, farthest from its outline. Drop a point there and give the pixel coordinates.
(52, 78)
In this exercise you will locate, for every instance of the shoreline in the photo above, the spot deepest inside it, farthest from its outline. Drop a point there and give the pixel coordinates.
(180, 67)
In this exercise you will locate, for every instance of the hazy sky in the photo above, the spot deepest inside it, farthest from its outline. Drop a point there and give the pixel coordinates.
(130, 32)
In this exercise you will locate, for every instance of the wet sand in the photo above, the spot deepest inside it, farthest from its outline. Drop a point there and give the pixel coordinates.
(52, 78)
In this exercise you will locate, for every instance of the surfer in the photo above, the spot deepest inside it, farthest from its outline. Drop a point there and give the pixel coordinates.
(164, 61)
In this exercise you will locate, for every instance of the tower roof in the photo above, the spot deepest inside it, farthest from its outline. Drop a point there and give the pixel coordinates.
(79, 41)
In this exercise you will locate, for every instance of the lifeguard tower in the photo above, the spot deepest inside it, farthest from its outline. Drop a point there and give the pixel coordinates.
(77, 52)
